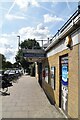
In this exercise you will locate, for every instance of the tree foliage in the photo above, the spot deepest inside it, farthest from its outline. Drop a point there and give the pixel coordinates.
(27, 44)
(30, 44)
(8, 64)
(3, 63)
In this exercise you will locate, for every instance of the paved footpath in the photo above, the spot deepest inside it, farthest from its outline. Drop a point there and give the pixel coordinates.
(27, 100)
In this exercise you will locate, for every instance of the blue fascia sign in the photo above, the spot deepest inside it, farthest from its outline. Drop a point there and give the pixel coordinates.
(35, 55)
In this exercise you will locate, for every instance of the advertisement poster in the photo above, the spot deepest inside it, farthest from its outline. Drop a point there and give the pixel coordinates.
(53, 77)
(46, 74)
(65, 74)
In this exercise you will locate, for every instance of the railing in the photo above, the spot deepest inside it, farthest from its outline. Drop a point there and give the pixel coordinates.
(67, 23)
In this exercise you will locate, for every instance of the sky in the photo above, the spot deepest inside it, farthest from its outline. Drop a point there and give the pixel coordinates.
(39, 19)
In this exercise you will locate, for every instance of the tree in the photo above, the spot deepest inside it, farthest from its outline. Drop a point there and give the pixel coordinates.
(8, 64)
(27, 44)
(16, 65)
(30, 44)
(2, 61)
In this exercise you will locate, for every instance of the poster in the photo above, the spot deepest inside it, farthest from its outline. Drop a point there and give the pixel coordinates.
(65, 74)
(46, 74)
(53, 77)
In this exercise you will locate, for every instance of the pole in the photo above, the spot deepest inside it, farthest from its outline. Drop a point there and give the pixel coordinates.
(18, 41)
(42, 43)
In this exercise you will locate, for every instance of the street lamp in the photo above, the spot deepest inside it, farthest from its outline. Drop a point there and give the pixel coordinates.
(18, 41)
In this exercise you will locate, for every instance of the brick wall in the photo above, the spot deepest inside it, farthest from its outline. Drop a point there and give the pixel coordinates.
(73, 80)
(79, 83)
(73, 83)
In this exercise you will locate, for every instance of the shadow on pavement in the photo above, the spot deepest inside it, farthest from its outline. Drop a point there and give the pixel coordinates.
(5, 94)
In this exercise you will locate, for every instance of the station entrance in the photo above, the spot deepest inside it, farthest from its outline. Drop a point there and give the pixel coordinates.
(36, 55)
(64, 83)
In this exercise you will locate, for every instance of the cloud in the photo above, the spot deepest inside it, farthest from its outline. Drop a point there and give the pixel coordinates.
(35, 3)
(13, 17)
(23, 4)
(9, 42)
(8, 46)
(3, 40)
(47, 9)
(39, 32)
(11, 7)
(49, 18)
(8, 51)
(40, 26)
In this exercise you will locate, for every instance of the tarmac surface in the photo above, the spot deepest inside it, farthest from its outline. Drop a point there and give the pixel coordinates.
(27, 100)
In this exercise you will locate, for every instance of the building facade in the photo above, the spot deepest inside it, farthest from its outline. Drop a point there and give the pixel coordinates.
(60, 70)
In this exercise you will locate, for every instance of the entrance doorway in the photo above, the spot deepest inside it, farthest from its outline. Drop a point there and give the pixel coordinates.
(64, 83)
(40, 73)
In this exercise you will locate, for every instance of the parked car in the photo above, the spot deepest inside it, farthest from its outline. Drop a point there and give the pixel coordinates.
(1, 77)
(1, 74)
(4, 82)
(11, 75)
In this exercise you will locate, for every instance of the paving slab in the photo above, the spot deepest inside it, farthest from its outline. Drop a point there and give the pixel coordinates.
(27, 100)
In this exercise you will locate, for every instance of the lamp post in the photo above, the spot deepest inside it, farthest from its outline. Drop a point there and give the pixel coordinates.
(18, 41)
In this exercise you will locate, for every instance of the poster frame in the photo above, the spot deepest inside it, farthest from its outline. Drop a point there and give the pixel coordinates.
(46, 74)
(53, 77)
